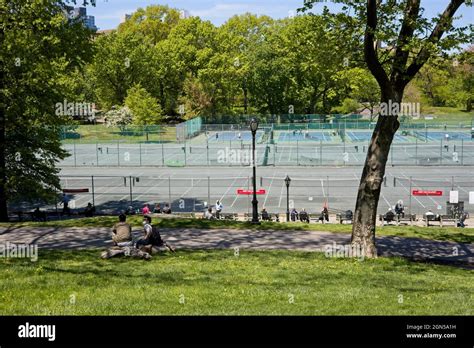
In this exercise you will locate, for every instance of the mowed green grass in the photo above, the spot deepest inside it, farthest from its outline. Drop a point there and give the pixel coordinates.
(459, 235)
(223, 283)
(100, 133)
(449, 115)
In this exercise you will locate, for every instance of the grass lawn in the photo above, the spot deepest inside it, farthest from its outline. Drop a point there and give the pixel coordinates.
(447, 115)
(101, 133)
(459, 235)
(221, 283)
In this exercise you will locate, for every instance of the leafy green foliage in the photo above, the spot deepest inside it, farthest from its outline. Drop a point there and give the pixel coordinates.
(144, 108)
(39, 46)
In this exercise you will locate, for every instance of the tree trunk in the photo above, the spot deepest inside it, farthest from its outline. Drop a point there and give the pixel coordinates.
(365, 216)
(3, 152)
(3, 176)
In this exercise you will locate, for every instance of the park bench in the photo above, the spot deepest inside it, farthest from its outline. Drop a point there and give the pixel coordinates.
(385, 219)
(315, 217)
(407, 218)
(248, 216)
(442, 220)
(398, 219)
(344, 216)
(229, 216)
(30, 216)
(275, 217)
(446, 219)
(430, 218)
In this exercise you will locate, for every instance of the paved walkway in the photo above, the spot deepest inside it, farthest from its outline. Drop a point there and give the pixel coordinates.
(81, 238)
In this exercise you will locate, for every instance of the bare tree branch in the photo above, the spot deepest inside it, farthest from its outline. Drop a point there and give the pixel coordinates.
(369, 47)
(434, 38)
(406, 33)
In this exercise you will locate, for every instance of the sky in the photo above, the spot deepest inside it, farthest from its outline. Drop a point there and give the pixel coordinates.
(108, 13)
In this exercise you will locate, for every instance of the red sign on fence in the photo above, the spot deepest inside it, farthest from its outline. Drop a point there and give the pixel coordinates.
(250, 192)
(85, 190)
(427, 193)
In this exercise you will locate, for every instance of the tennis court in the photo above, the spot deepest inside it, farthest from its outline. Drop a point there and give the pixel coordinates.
(233, 136)
(304, 135)
(357, 136)
(438, 136)
(192, 190)
(238, 153)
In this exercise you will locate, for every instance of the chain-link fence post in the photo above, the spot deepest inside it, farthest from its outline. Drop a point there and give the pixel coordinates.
(185, 150)
(131, 190)
(169, 191)
(441, 151)
(327, 200)
(409, 201)
(274, 155)
(208, 192)
(320, 152)
(162, 155)
(416, 150)
(140, 153)
(93, 191)
(75, 154)
(118, 153)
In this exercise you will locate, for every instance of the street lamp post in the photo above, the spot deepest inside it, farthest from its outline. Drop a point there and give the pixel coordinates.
(253, 128)
(287, 182)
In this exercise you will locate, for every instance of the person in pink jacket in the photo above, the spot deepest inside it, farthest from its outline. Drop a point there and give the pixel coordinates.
(145, 210)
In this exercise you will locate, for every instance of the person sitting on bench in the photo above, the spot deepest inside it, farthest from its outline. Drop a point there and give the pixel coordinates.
(39, 215)
(293, 215)
(130, 211)
(146, 209)
(464, 216)
(304, 217)
(208, 214)
(430, 216)
(265, 216)
(157, 209)
(122, 232)
(400, 209)
(89, 211)
(167, 209)
(389, 216)
(324, 215)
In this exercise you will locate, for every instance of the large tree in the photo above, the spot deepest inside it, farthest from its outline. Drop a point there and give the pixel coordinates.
(410, 40)
(145, 109)
(38, 45)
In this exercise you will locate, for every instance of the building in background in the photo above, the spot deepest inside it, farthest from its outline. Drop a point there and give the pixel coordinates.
(125, 18)
(183, 14)
(81, 12)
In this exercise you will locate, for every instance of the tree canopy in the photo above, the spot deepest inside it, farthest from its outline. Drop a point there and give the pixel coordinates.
(40, 51)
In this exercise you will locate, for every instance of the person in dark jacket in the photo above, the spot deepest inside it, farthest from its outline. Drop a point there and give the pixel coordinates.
(324, 215)
(293, 215)
(304, 217)
(89, 211)
(265, 216)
